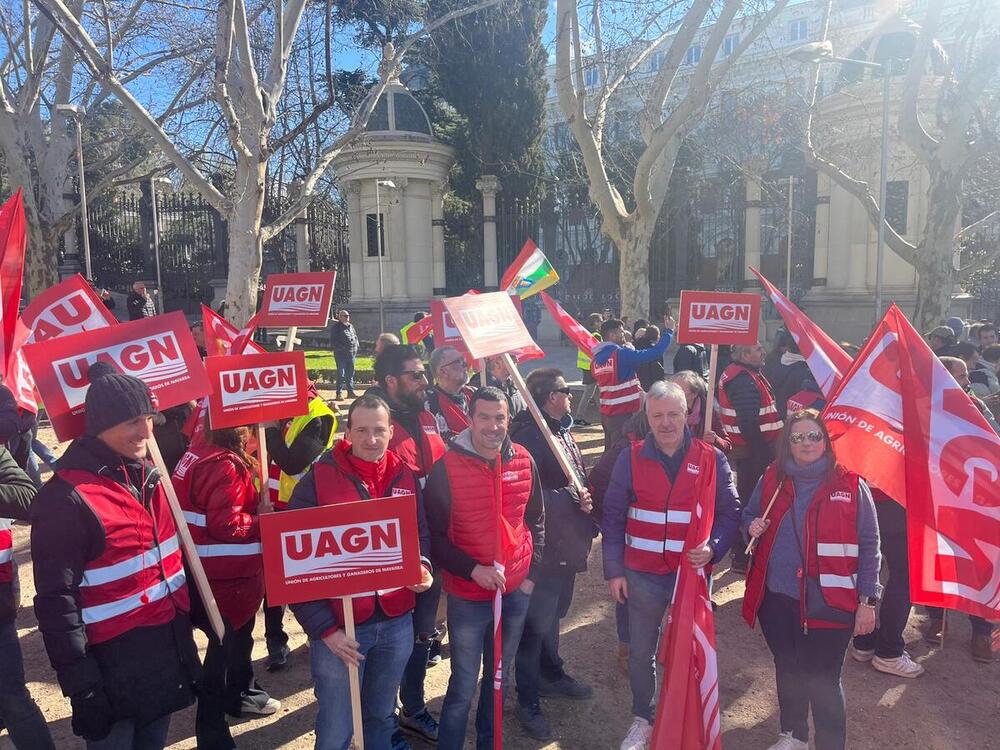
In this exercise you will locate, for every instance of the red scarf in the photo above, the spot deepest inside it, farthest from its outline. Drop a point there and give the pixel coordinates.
(375, 475)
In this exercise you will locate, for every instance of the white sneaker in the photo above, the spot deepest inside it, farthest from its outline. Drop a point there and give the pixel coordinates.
(787, 742)
(638, 735)
(901, 666)
(862, 655)
(259, 703)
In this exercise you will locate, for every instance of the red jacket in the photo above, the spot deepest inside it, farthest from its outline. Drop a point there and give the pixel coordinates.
(617, 397)
(465, 494)
(450, 412)
(656, 528)
(219, 498)
(767, 414)
(830, 542)
(421, 451)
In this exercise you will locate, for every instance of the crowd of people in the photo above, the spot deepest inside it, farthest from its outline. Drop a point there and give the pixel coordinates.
(117, 610)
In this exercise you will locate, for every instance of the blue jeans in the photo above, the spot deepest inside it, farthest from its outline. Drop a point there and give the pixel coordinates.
(345, 370)
(386, 645)
(411, 690)
(24, 721)
(538, 653)
(470, 633)
(125, 735)
(648, 597)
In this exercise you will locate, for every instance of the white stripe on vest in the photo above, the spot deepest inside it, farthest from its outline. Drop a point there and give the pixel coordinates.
(833, 549)
(102, 612)
(131, 566)
(829, 580)
(653, 516)
(654, 545)
(225, 550)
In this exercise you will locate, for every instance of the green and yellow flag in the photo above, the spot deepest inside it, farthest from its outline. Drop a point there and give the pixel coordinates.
(530, 272)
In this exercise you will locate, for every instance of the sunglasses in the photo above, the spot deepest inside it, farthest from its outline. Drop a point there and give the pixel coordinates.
(415, 374)
(454, 362)
(813, 436)
(565, 390)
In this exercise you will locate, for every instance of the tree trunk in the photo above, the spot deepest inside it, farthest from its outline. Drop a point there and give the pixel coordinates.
(935, 253)
(633, 270)
(245, 245)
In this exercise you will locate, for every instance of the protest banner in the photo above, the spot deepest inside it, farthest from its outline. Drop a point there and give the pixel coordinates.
(490, 325)
(253, 388)
(717, 318)
(161, 352)
(297, 299)
(13, 242)
(340, 551)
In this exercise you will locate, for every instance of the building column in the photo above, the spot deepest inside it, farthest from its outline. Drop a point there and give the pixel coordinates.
(439, 275)
(489, 186)
(821, 252)
(351, 189)
(751, 224)
(302, 261)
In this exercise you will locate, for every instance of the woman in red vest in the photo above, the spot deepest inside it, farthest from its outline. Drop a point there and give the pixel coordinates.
(216, 488)
(813, 581)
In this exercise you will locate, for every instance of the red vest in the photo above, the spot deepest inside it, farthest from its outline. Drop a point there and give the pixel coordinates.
(419, 453)
(138, 579)
(273, 484)
(830, 541)
(6, 552)
(656, 528)
(802, 400)
(222, 559)
(335, 486)
(616, 397)
(451, 417)
(768, 417)
(476, 489)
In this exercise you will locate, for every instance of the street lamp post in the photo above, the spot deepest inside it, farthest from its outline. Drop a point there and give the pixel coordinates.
(378, 239)
(77, 113)
(820, 53)
(156, 238)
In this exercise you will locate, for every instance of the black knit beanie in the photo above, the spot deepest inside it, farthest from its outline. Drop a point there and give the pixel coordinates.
(114, 397)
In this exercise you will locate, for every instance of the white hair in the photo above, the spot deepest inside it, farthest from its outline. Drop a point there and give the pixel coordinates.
(439, 354)
(665, 389)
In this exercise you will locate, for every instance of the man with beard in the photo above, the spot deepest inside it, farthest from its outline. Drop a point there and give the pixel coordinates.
(402, 384)
(448, 399)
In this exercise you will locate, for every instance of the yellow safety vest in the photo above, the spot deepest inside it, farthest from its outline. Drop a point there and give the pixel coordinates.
(317, 409)
(582, 359)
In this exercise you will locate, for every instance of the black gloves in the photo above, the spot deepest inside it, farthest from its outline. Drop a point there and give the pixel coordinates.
(92, 715)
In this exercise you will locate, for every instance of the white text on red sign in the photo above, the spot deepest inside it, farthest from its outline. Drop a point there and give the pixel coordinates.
(716, 316)
(337, 549)
(296, 298)
(257, 385)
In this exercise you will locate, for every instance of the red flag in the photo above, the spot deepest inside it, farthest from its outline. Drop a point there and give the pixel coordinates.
(244, 343)
(420, 330)
(947, 459)
(688, 712)
(220, 335)
(580, 336)
(13, 240)
(827, 361)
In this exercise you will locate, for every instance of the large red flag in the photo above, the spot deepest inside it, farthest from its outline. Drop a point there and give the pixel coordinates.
(13, 240)
(582, 338)
(688, 711)
(827, 362)
(905, 424)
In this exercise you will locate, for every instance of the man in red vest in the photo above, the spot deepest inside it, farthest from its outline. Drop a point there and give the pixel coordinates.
(448, 400)
(613, 367)
(647, 513)
(361, 467)
(111, 596)
(751, 421)
(402, 384)
(484, 506)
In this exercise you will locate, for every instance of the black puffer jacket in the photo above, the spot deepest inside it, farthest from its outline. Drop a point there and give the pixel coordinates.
(569, 531)
(146, 672)
(16, 493)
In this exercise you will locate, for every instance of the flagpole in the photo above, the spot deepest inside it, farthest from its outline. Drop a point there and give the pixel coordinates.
(713, 367)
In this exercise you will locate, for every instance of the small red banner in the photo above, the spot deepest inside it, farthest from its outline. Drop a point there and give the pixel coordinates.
(160, 351)
(340, 550)
(254, 388)
(489, 324)
(297, 299)
(718, 318)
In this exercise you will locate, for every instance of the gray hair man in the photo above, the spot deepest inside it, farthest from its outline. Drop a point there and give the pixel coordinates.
(448, 399)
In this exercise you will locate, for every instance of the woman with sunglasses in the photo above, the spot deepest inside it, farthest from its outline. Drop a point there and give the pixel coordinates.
(813, 581)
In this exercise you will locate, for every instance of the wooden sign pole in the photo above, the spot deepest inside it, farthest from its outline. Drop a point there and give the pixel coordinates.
(187, 543)
(358, 743)
(713, 368)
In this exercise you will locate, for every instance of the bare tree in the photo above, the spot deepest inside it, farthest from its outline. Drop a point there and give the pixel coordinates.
(943, 124)
(670, 107)
(250, 74)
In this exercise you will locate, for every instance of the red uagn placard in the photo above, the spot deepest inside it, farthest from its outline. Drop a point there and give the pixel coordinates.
(160, 351)
(254, 388)
(488, 324)
(340, 550)
(297, 299)
(718, 318)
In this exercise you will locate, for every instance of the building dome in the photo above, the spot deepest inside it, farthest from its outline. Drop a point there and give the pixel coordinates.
(399, 115)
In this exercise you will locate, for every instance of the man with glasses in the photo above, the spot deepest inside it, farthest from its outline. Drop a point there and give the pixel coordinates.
(569, 532)
(344, 344)
(402, 384)
(448, 399)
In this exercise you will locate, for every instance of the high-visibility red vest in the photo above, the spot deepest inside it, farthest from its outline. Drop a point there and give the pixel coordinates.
(334, 485)
(419, 452)
(803, 400)
(222, 559)
(138, 579)
(451, 417)
(829, 539)
(476, 489)
(617, 397)
(6, 551)
(656, 528)
(768, 417)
